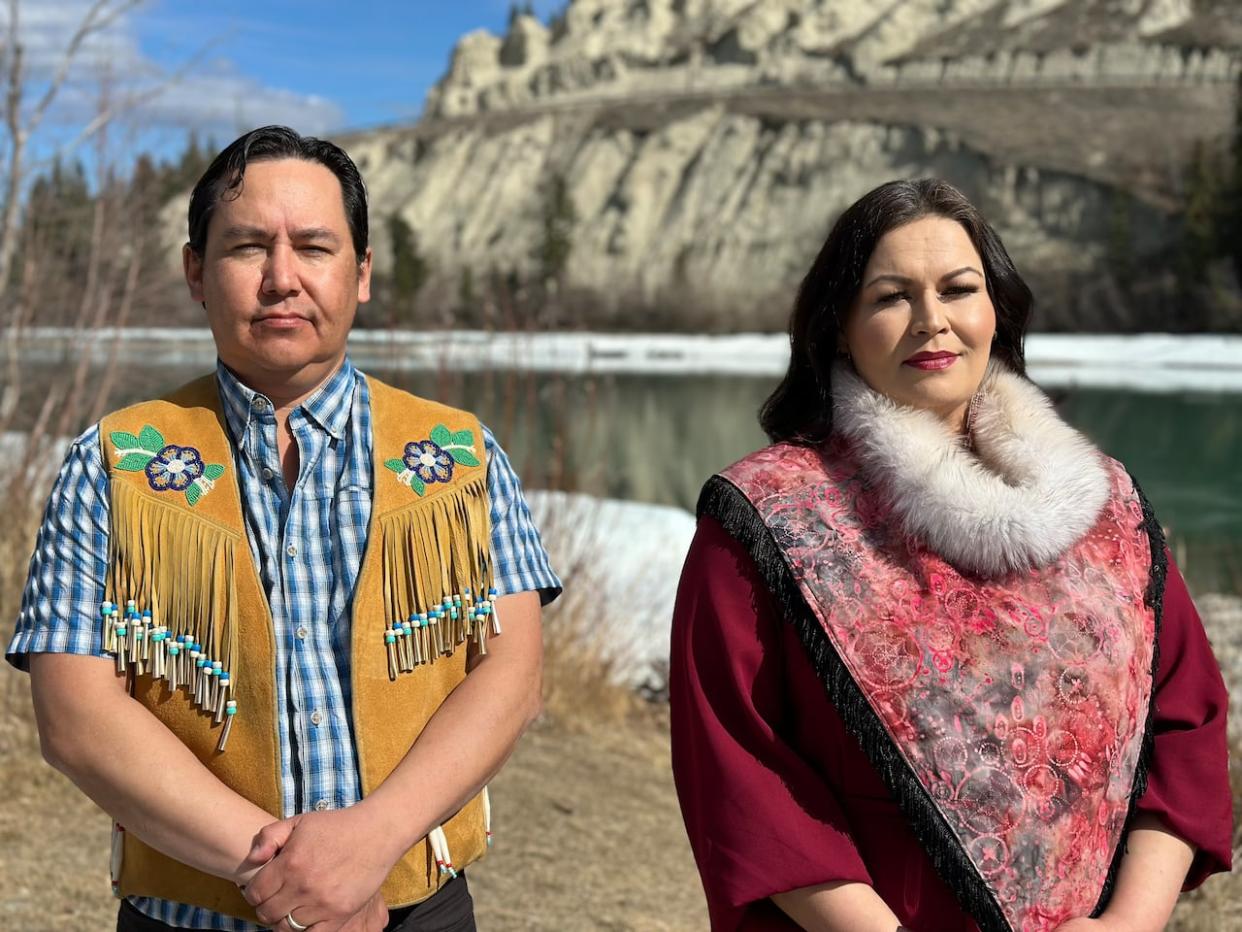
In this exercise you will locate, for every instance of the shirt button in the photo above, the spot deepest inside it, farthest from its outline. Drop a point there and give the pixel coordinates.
(258, 402)
(316, 717)
(292, 550)
(301, 632)
(322, 805)
(267, 473)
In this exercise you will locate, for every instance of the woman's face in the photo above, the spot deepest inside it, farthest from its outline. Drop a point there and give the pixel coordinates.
(920, 329)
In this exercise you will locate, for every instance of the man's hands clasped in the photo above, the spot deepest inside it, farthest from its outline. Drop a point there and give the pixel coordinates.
(324, 868)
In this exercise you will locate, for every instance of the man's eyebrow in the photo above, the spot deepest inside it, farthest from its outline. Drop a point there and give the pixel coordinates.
(303, 235)
(245, 232)
(316, 233)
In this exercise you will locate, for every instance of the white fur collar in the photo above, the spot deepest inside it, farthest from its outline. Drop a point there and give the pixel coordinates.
(1031, 490)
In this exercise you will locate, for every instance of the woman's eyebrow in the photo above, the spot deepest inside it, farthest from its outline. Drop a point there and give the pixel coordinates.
(889, 277)
(955, 273)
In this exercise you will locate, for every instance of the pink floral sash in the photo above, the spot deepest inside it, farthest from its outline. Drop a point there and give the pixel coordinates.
(1009, 716)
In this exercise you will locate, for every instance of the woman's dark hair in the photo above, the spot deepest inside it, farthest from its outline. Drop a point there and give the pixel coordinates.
(224, 178)
(800, 410)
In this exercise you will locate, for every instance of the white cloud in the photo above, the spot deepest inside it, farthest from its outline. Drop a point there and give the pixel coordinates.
(221, 99)
(212, 97)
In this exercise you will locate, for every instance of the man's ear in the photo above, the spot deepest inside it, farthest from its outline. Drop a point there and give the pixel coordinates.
(192, 266)
(364, 278)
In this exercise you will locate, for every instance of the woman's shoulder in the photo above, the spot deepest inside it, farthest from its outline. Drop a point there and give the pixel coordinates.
(781, 467)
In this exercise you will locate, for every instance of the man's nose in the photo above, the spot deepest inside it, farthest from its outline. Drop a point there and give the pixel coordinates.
(280, 275)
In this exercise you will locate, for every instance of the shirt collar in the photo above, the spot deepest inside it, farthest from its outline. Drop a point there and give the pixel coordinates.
(328, 406)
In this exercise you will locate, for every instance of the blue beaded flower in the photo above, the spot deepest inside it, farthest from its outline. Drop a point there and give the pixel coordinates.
(174, 468)
(428, 461)
(434, 459)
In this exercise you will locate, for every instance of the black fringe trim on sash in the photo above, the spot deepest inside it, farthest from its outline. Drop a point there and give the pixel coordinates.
(722, 500)
(1154, 599)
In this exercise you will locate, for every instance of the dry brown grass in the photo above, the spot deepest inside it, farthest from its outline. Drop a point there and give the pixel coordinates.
(588, 831)
(588, 835)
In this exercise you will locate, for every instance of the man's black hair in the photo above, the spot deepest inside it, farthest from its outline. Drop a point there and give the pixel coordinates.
(224, 178)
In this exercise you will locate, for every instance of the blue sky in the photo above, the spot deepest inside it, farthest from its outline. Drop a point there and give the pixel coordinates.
(320, 65)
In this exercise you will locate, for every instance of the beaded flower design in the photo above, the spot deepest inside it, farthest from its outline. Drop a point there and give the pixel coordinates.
(169, 467)
(426, 462)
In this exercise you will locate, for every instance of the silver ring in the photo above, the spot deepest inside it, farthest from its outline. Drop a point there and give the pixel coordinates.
(293, 923)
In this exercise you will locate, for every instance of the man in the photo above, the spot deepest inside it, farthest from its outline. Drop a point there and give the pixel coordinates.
(253, 720)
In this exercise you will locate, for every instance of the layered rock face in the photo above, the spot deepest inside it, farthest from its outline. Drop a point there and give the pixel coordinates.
(707, 145)
(613, 48)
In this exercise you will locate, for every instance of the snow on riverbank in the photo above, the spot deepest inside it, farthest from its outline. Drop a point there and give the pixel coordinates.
(620, 562)
(1151, 362)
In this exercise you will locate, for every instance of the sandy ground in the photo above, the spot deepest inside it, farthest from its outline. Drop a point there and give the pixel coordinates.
(588, 835)
(587, 828)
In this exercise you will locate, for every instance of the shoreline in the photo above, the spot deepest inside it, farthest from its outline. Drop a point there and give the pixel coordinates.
(1148, 362)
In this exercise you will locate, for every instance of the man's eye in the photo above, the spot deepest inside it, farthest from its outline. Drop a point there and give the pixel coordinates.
(247, 247)
(316, 249)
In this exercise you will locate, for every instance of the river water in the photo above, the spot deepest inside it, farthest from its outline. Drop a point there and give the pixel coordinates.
(656, 438)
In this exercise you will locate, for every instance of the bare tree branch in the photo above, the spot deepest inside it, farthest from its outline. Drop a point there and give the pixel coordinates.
(108, 113)
(97, 19)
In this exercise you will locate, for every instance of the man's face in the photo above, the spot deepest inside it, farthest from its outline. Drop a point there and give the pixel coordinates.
(279, 275)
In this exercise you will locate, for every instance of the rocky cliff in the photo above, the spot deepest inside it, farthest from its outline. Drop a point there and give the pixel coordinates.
(707, 145)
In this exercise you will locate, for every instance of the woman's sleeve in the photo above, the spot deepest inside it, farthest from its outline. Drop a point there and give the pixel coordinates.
(760, 819)
(1188, 781)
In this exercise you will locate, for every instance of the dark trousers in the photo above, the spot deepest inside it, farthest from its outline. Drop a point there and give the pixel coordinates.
(449, 910)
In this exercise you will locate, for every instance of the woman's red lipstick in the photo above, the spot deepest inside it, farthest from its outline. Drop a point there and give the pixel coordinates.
(929, 362)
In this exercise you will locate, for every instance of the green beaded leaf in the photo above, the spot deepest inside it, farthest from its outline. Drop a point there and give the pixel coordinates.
(441, 436)
(417, 484)
(134, 462)
(465, 457)
(123, 440)
(395, 465)
(464, 437)
(193, 493)
(151, 439)
(213, 471)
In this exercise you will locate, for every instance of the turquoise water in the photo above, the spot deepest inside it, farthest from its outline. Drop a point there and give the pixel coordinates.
(657, 438)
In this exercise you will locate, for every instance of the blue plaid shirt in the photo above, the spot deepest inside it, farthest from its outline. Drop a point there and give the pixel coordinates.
(308, 544)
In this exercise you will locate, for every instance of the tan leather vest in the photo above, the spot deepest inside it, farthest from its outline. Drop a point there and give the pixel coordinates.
(179, 549)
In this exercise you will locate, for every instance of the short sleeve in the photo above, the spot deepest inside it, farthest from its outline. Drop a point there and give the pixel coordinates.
(65, 584)
(1188, 781)
(520, 562)
(760, 818)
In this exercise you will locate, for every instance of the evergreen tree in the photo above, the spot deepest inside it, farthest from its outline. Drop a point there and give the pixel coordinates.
(556, 242)
(410, 269)
(1200, 233)
(1233, 200)
(466, 298)
(1120, 238)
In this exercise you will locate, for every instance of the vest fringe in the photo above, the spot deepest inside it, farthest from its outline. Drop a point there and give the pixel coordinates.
(724, 502)
(118, 857)
(437, 576)
(158, 550)
(1154, 599)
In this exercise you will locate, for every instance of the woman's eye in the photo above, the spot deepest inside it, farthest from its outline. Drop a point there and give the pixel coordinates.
(960, 290)
(891, 298)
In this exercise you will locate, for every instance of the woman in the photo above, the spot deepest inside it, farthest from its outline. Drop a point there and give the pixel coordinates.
(917, 640)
